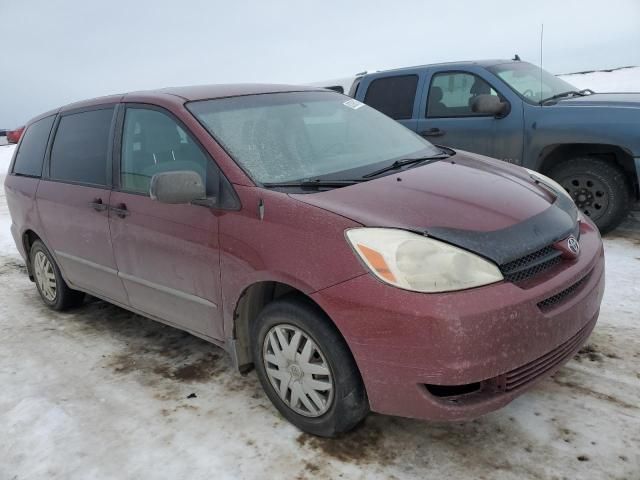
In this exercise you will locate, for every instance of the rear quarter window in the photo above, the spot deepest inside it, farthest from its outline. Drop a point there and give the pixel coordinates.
(79, 152)
(393, 96)
(30, 154)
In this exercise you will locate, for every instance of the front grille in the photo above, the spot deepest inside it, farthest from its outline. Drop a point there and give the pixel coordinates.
(549, 303)
(530, 265)
(532, 370)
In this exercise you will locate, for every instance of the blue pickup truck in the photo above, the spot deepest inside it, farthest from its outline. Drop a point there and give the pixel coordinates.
(512, 110)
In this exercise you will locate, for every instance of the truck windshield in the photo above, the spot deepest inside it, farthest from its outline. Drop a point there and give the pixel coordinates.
(531, 82)
(296, 136)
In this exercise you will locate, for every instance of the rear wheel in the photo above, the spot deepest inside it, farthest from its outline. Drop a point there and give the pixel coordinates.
(53, 290)
(306, 368)
(598, 187)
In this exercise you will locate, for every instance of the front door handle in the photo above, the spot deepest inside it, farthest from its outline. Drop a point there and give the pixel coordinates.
(97, 205)
(432, 132)
(120, 210)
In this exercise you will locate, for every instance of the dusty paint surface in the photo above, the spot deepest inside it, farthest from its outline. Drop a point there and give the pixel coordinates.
(101, 393)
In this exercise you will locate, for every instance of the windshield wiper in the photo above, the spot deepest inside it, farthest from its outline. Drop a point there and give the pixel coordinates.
(313, 183)
(401, 163)
(580, 93)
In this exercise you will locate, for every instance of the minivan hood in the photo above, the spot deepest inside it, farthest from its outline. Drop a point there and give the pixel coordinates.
(477, 203)
(603, 100)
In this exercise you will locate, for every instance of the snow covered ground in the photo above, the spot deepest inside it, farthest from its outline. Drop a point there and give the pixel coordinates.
(626, 79)
(100, 393)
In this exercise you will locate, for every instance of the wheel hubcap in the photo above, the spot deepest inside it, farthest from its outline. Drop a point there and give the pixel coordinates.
(45, 277)
(589, 194)
(298, 370)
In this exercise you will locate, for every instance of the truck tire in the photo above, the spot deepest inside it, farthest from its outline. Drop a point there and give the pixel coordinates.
(598, 187)
(306, 368)
(53, 290)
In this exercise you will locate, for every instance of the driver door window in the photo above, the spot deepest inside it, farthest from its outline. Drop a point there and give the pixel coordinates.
(451, 94)
(153, 142)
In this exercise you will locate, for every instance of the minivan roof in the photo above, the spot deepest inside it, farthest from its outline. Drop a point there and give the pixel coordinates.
(187, 93)
(196, 92)
(203, 92)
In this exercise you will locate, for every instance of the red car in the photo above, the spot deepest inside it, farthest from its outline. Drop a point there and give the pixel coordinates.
(357, 266)
(13, 136)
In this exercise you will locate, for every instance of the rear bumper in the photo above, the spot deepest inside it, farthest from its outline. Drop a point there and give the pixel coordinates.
(498, 340)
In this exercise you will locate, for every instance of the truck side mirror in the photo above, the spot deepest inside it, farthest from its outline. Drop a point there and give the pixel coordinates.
(489, 105)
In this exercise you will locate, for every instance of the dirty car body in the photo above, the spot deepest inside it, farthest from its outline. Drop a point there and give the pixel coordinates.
(413, 337)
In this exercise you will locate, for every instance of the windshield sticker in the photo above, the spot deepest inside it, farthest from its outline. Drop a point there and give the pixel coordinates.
(353, 103)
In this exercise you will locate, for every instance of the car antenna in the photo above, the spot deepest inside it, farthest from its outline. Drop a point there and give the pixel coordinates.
(541, 40)
(516, 58)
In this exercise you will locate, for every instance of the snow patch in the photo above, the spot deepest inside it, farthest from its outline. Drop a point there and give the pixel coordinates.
(6, 153)
(7, 245)
(618, 80)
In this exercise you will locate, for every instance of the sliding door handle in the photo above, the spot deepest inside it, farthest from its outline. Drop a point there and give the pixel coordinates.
(97, 205)
(120, 210)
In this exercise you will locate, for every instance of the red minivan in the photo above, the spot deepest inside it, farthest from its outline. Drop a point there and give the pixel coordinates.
(357, 266)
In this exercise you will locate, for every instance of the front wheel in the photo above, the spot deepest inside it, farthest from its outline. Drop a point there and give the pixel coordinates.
(598, 187)
(306, 368)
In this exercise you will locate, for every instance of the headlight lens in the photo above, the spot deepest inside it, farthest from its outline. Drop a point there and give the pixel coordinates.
(418, 263)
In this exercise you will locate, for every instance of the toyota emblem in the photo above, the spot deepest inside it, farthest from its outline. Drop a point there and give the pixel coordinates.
(573, 245)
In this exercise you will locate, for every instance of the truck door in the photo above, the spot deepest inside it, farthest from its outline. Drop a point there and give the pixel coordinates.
(445, 116)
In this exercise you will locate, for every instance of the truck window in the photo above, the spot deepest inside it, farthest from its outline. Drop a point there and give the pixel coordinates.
(393, 96)
(451, 93)
(31, 153)
(79, 152)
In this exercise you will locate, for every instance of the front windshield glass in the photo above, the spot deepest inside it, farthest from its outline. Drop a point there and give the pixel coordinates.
(533, 83)
(295, 136)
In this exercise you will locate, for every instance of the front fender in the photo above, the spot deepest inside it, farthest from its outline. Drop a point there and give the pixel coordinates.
(562, 125)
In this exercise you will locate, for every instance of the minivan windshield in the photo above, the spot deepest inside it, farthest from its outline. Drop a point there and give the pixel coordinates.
(533, 83)
(298, 136)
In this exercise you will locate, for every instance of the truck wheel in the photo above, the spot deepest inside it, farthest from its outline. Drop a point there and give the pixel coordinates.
(306, 368)
(53, 290)
(598, 187)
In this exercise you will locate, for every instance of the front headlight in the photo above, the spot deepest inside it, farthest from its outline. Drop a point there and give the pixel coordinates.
(418, 263)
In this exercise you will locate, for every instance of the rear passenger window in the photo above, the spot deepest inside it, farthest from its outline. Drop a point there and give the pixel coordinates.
(451, 94)
(31, 153)
(152, 142)
(79, 152)
(393, 96)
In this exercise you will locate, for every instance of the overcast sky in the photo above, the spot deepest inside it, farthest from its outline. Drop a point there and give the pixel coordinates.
(53, 51)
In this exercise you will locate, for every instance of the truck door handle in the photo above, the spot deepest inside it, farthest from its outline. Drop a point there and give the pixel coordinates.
(97, 205)
(120, 210)
(432, 132)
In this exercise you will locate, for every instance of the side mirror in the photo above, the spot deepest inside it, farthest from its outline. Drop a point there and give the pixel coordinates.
(489, 105)
(177, 187)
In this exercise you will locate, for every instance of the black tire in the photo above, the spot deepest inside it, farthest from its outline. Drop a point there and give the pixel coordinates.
(64, 297)
(349, 405)
(599, 188)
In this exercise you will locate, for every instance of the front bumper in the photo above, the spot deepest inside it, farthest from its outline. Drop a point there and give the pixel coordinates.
(500, 338)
